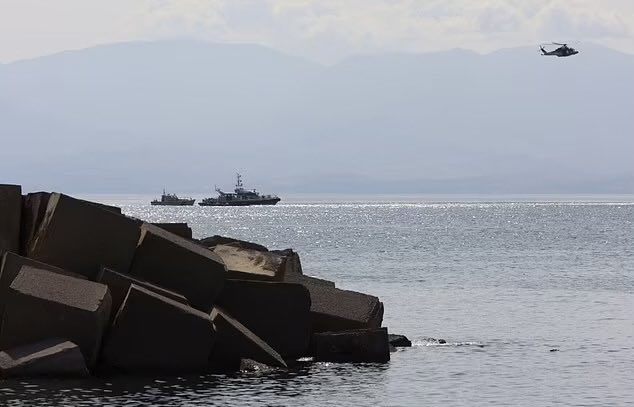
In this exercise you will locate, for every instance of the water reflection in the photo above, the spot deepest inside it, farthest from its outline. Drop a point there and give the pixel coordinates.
(278, 387)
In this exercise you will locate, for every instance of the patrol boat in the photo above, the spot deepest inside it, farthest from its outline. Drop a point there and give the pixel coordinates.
(240, 197)
(172, 200)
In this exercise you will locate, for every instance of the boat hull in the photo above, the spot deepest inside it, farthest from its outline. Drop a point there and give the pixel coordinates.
(184, 203)
(253, 202)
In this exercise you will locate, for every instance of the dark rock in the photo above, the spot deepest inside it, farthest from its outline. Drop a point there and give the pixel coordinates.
(333, 309)
(80, 236)
(50, 358)
(152, 333)
(119, 285)
(10, 215)
(362, 345)
(11, 266)
(41, 304)
(236, 342)
(399, 341)
(278, 313)
(251, 366)
(177, 228)
(248, 264)
(180, 265)
(216, 240)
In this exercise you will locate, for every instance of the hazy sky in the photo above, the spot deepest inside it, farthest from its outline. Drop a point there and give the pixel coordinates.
(324, 30)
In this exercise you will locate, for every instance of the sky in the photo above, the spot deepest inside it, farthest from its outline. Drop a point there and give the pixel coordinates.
(322, 30)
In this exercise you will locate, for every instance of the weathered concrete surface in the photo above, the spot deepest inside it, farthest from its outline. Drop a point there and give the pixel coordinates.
(10, 215)
(79, 236)
(362, 345)
(180, 265)
(333, 309)
(119, 285)
(216, 240)
(177, 228)
(399, 341)
(152, 333)
(248, 264)
(11, 265)
(236, 342)
(50, 358)
(306, 280)
(278, 313)
(41, 304)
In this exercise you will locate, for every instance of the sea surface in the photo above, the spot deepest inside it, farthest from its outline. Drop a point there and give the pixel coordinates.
(534, 296)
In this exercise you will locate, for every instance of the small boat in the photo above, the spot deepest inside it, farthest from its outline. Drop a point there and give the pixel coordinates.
(173, 200)
(240, 197)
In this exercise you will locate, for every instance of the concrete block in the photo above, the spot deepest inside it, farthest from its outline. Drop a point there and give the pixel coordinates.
(248, 264)
(33, 212)
(236, 342)
(333, 309)
(80, 236)
(278, 313)
(216, 240)
(50, 358)
(41, 304)
(119, 285)
(10, 216)
(292, 262)
(179, 229)
(152, 333)
(11, 265)
(362, 345)
(180, 265)
(306, 280)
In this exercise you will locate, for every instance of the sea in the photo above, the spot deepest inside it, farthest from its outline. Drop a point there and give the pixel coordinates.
(534, 296)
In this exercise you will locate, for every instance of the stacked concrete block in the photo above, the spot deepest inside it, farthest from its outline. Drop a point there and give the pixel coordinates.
(278, 313)
(79, 236)
(41, 305)
(10, 216)
(179, 265)
(10, 266)
(248, 264)
(363, 345)
(333, 309)
(236, 342)
(119, 285)
(177, 228)
(49, 358)
(152, 333)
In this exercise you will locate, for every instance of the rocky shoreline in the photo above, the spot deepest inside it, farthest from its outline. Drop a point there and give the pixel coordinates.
(86, 290)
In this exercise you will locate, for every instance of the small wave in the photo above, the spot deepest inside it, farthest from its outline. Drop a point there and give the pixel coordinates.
(442, 342)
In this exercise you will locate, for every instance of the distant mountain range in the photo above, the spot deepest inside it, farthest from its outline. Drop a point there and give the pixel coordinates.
(185, 115)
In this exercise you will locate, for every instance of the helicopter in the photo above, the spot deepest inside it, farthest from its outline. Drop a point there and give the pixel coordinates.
(563, 51)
